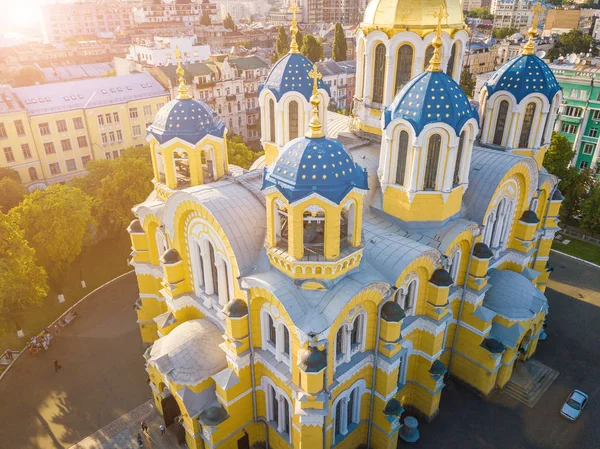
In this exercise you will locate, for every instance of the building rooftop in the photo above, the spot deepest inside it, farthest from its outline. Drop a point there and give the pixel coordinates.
(73, 72)
(87, 94)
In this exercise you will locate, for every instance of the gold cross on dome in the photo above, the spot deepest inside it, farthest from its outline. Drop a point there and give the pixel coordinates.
(315, 75)
(294, 28)
(440, 13)
(529, 48)
(536, 10)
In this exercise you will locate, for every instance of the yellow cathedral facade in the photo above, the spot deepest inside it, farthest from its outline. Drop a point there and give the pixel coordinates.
(321, 297)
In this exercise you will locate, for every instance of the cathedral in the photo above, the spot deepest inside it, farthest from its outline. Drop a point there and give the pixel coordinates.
(320, 298)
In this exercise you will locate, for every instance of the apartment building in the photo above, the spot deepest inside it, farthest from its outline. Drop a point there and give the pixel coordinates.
(229, 85)
(579, 114)
(219, 37)
(348, 12)
(64, 20)
(468, 5)
(512, 13)
(161, 50)
(186, 12)
(480, 56)
(340, 76)
(560, 21)
(50, 132)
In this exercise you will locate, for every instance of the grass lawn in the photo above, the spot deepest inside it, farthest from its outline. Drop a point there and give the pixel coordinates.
(100, 263)
(578, 248)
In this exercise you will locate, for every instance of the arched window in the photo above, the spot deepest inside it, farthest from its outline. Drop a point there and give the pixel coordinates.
(408, 300)
(452, 60)
(378, 73)
(500, 122)
(340, 345)
(275, 337)
(489, 227)
(356, 335)
(197, 267)
(272, 332)
(229, 107)
(271, 120)
(314, 232)
(433, 156)
(278, 407)
(213, 268)
(293, 120)
(527, 123)
(239, 121)
(459, 154)
(347, 217)
(33, 174)
(428, 56)
(403, 66)
(402, 153)
(220, 110)
(347, 412)
(286, 340)
(281, 226)
(239, 106)
(455, 266)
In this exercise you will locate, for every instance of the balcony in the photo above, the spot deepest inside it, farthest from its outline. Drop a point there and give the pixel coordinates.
(230, 97)
(252, 94)
(253, 111)
(207, 85)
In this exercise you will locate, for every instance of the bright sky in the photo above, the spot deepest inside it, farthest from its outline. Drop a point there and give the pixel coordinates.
(20, 12)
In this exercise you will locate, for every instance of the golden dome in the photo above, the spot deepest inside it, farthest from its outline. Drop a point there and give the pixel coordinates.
(411, 14)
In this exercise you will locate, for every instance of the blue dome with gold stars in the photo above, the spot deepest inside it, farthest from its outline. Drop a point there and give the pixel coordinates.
(522, 76)
(315, 165)
(431, 97)
(187, 119)
(290, 73)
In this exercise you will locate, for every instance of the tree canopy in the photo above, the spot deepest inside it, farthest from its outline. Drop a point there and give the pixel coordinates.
(22, 281)
(55, 222)
(205, 19)
(590, 210)
(312, 48)
(504, 32)
(467, 81)
(8, 173)
(229, 23)
(239, 154)
(11, 194)
(559, 155)
(480, 13)
(282, 45)
(340, 46)
(575, 41)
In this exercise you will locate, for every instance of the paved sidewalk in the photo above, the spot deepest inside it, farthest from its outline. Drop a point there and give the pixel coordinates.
(121, 434)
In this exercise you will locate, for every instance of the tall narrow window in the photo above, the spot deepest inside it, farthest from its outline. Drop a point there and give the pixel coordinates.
(402, 152)
(286, 341)
(213, 267)
(272, 331)
(356, 334)
(33, 174)
(500, 122)
(338, 418)
(527, 122)
(452, 61)
(350, 407)
(378, 73)
(271, 120)
(459, 153)
(433, 156)
(411, 298)
(293, 120)
(274, 404)
(403, 66)
(286, 416)
(428, 56)
(339, 343)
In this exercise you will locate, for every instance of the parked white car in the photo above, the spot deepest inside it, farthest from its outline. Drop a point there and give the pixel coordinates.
(574, 404)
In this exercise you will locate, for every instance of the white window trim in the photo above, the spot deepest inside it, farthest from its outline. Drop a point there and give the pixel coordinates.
(278, 350)
(360, 388)
(280, 396)
(455, 265)
(402, 296)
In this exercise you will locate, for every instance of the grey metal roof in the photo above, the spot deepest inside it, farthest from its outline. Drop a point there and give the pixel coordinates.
(190, 353)
(508, 336)
(488, 168)
(89, 93)
(513, 296)
(72, 72)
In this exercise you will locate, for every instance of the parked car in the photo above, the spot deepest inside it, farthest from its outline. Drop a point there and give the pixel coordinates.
(574, 404)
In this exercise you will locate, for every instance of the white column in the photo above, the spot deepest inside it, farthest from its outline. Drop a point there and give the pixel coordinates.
(384, 159)
(209, 287)
(223, 288)
(368, 78)
(389, 81)
(540, 134)
(344, 416)
(347, 344)
(281, 413)
(414, 170)
(449, 173)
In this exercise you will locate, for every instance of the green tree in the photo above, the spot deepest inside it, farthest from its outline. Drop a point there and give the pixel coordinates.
(480, 13)
(239, 154)
(312, 48)
(29, 75)
(467, 81)
(247, 45)
(575, 41)
(229, 23)
(590, 210)
(299, 38)
(56, 221)
(22, 282)
(8, 173)
(559, 156)
(340, 46)
(282, 45)
(501, 33)
(128, 184)
(251, 19)
(12, 193)
(205, 19)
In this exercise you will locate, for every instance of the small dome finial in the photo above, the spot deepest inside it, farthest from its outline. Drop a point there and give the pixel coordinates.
(529, 47)
(315, 127)
(294, 28)
(436, 60)
(182, 90)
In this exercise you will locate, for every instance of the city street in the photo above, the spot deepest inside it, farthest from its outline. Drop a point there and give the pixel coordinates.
(103, 378)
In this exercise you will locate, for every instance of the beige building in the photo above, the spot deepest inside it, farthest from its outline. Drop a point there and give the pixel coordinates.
(50, 132)
(560, 21)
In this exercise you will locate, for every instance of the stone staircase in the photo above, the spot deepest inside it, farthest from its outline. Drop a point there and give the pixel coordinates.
(529, 382)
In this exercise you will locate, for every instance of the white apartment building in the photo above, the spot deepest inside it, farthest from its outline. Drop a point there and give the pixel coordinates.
(188, 13)
(468, 5)
(512, 13)
(242, 9)
(341, 78)
(60, 21)
(161, 51)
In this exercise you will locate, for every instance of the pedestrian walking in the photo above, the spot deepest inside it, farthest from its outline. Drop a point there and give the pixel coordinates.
(57, 366)
(144, 427)
(162, 430)
(140, 441)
